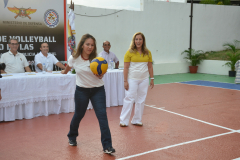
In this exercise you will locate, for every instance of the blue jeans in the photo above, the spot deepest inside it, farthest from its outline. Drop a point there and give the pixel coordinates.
(98, 99)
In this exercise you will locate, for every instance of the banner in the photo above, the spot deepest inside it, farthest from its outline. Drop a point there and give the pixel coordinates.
(71, 32)
(33, 22)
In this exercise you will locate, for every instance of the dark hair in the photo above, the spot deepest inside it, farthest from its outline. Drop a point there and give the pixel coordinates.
(9, 41)
(42, 43)
(80, 49)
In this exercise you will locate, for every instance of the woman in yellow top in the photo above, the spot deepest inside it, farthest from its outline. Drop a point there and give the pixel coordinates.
(137, 68)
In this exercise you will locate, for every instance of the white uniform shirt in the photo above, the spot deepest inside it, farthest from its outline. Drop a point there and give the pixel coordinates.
(84, 76)
(49, 61)
(14, 64)
(108, 56)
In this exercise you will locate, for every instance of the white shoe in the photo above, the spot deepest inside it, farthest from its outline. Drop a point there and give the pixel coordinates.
(123, 125)
(138, 124)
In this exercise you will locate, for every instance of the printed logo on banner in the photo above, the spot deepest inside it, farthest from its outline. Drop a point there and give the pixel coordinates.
(51, 18)
(22, 12)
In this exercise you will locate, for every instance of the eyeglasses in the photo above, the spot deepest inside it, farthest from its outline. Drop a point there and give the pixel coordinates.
(106, 44)
(14, 44)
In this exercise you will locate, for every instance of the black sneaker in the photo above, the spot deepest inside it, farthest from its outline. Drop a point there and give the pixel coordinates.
(109, 150)
(72, 142)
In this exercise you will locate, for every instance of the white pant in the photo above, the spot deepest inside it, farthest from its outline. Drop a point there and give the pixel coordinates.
(137, 92)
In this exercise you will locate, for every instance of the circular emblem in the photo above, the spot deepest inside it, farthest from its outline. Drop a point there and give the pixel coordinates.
(51, 18)
(71, 43)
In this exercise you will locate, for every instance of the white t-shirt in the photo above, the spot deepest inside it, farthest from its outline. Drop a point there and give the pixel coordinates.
(14, 64)
(49, 61)
(108, 56)
(84, 76)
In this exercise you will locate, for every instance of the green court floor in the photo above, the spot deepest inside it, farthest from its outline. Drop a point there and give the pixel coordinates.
(181, 77)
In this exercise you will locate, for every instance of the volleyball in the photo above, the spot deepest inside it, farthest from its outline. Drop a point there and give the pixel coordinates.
(99, 65)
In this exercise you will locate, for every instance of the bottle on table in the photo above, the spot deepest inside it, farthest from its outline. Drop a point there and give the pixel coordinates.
(112, 64)
(43, 68)
(49, 68)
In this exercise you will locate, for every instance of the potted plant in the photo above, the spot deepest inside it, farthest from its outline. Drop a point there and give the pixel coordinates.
(195, 57)
(73, 71)
(233, 57)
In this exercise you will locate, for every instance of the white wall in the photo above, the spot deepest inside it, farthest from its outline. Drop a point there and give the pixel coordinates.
(214, 25)
(213, 67)
(166, 28)
(179, 1)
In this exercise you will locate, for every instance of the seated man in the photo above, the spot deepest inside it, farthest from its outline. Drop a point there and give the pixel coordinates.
(47, 58)
(108, 55)
(15, 62)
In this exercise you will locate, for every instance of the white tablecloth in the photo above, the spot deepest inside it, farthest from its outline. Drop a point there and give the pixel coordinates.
(29, 96)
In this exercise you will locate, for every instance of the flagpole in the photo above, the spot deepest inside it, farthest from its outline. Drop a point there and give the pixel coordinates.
(71, 29)
(190, 45)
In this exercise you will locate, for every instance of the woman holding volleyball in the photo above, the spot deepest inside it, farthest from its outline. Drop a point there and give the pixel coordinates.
(137, 68)
(89, 87)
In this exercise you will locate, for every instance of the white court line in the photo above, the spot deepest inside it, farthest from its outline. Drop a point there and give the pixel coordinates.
(179, 144)
(175, 145)
(152, 106)
(188, 142)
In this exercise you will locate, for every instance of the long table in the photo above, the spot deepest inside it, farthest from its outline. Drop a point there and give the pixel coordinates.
(38, 94)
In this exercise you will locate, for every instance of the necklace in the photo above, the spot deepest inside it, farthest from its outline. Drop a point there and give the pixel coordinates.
(139, 52)
(84, 58)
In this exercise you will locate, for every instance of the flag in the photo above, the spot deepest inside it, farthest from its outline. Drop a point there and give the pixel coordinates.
(5, 3)
(71, 32)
